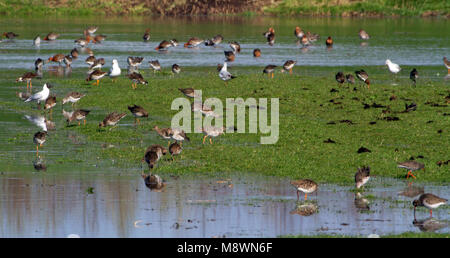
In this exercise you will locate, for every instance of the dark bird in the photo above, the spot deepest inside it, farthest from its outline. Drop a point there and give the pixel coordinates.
(153, 154)
(138, 112)
(176, 68)
(135, 79)
(329, 42)
(10, 35)
(363, 149)
(256, 52)
(146, 36)
(229, 55)
(414, 75)
(79, 115)
(269, 69)
(175, 149)
(39, 139)
(340, 78)
(153, 182)
(214, 41)
(350, 78)
(363, 76)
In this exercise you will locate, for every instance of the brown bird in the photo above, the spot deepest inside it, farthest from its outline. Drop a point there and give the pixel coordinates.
(112, 119)
(235, 46)
(362, 176)
(363, 34)
(135, 79)
(153, 154)
(74, 53)
(256, 52)
(188, 92)
(411, 165)
(289, 65)
(58, 58)
(39, 139)
(350, 78)
(270, 36)
(51, 36)
(79, 114)
(50, 102)
(363, 76)
(72, 97)
(96, 75)
(10, 35)
(429, 201)
(165, 133)
(269, 69)
(90, 60)
(137, 112)
(27, 77)
(229, 55)
(175, 149)
(329, 42)
(164, 45)
(176, 68)
(153, 182)
(193, 42)
(98, 39)
(298, 32)
(447, 64)
(340, 78)
(305, 185)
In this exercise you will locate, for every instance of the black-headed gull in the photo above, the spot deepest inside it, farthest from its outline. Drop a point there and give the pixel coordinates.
(41, 95)
(224, 74)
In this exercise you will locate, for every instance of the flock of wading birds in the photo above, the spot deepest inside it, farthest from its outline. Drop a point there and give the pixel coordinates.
(154, 153)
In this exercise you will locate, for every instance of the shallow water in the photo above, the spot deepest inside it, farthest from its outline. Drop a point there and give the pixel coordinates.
(406, 41)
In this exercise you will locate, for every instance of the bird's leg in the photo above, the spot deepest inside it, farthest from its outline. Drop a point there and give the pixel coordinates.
(290, 71)
(98, 81)
(84, 122)
(204, 138)
(138, 120)
(272, 75)
(210, 140)
(79, 122)
(298, 195)
(431, 213)
(37, 150)
(305, 196)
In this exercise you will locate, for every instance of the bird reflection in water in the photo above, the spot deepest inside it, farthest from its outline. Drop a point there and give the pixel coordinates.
(429, 225)
(306, 208)
(361, 203)
(411, 191)
(39, 164)
(153, 182)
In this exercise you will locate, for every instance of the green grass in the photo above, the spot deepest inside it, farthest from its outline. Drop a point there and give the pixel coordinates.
(305, 110)
(282, 8)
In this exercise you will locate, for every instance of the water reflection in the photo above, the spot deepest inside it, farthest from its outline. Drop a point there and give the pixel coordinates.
(305, 209)
(430, 224)
(39, 164)
(41, 122)
(361, 203)
(412, 191)
(153, 182)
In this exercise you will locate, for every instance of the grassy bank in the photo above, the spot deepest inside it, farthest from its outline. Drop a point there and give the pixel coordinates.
(310, 114)
(225, 7)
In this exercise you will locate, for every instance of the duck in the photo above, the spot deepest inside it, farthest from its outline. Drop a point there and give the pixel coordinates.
(288, 66)
(154, 64)
(39, 139)
(229, 55)
(256, 52)
(137, 112)
(269, 69)
(58, 58)
(298, 32)
(72, 97)
(224, 74)
(79, 114)
(115, 71)
(96, 75)
(51, 36)
(112, 119)
(329, 42)
(136, 78)
(40, 96)
(146, 36)
(362, 176)
(363, 34)
(270, 36)
(176, 68)
(212, 131)
(305, 185)
(193, 42)
(216, 40)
